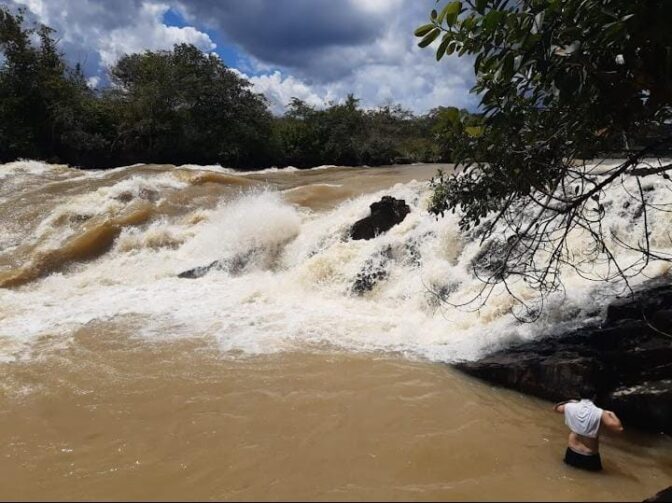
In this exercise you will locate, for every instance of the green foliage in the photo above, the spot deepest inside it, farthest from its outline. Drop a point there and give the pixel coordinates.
(450, 126)
(186, 106)
(346, 134)
(560, 81)
(43, 104)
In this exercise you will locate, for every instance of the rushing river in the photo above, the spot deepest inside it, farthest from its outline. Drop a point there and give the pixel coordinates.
(270, 377)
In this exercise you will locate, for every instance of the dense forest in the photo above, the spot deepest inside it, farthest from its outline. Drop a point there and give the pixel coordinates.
(184, 106)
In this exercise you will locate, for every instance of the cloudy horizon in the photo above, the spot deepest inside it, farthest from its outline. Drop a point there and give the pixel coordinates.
(315, 50)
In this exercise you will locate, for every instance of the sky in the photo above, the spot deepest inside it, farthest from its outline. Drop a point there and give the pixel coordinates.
(315, 50)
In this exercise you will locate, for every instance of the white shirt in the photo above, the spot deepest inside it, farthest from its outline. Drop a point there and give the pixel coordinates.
(583, 418)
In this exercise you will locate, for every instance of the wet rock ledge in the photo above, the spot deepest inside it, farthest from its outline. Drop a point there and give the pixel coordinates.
(628, 358)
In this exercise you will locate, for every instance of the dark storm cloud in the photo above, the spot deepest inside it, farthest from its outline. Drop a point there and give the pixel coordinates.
(289, 32)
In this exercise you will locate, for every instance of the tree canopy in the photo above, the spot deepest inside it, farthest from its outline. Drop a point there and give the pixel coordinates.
(560, 82)
(43, 103)
(183, 106)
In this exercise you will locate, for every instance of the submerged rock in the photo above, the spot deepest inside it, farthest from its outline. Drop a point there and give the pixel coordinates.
(385, 214)
(491, 260)
(234, 265)
(628, 360)
(146, 194)
(198, 272)
(662, 496)
(374, 271)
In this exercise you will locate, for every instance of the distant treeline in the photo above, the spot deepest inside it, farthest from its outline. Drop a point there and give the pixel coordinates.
(184, 106)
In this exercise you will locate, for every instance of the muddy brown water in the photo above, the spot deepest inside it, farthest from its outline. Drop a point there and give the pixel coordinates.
(98, 410)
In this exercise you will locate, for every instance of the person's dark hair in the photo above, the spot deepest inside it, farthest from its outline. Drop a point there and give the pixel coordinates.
(587, 391)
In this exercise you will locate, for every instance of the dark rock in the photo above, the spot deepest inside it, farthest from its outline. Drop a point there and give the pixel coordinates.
(646, 303)
(125, 197)
(626, 359)
(198, 272)
(645, 405)
(78, 219)
(663, 496)
(385, 214)
(234, 266)
(147, 194)
(374, 271)
(491, 259)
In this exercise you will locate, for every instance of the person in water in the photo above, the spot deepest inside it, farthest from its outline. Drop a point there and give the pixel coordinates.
(585, 420)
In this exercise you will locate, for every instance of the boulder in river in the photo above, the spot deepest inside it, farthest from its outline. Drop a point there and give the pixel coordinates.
(385, 214)
(628, 359)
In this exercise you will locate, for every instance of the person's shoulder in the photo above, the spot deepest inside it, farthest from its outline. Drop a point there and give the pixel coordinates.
(596, 407)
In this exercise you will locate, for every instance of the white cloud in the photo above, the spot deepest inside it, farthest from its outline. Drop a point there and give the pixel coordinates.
(416, 86)
(149, 33)
(129, 26)
(37, 7)
(93, 82)
(280, 90)
(377, 6)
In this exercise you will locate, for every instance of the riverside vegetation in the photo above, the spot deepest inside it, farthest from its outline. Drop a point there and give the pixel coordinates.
(184, 106)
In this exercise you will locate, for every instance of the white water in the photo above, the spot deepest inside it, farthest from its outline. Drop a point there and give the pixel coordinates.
(295, 291)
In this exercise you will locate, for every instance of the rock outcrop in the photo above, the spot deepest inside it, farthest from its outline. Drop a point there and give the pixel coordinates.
(627, 358)
(663, 496)
(385, 214)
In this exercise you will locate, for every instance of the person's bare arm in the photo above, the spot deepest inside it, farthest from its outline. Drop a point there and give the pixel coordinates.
(611, 421)
(560, 407)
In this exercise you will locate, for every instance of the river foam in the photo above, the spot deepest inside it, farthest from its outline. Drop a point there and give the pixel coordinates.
(286, 274)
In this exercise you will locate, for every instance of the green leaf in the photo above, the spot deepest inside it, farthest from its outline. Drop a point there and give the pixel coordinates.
(469, 23)
(430, 37)
(474, 131)
(477, 62)
(447, 9)
(480, 6)
(442, 48)
(453, 7)
(507, 66)
(453, 12)
(424, 29)
(442, 15)
(491, 20)
(453, 115)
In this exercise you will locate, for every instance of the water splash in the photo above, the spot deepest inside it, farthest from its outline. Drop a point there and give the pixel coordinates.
(290, 276)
